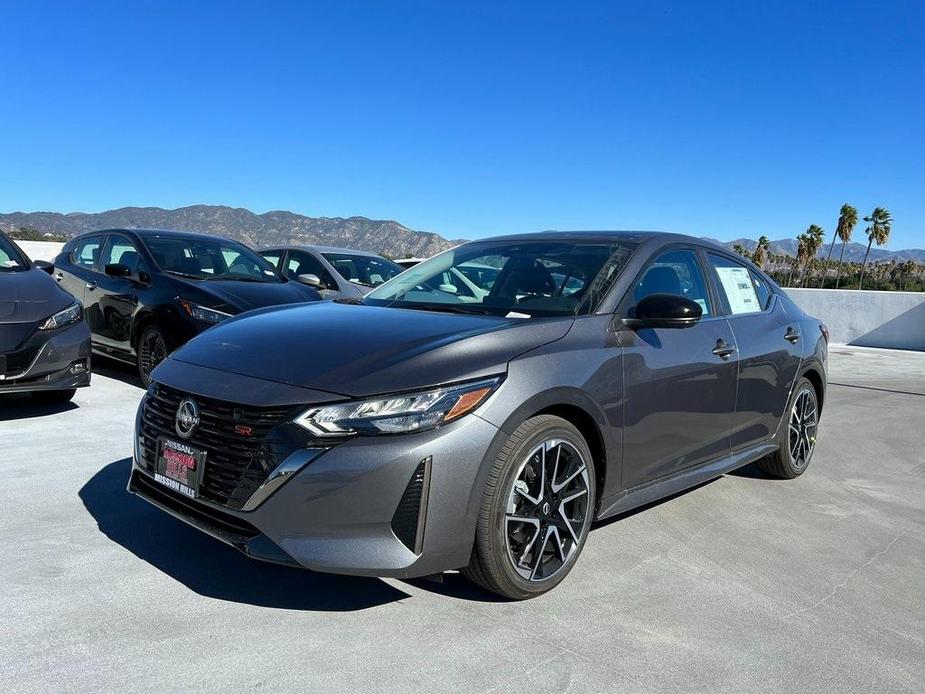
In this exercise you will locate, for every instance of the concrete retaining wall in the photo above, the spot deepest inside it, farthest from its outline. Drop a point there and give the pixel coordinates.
(40, 250)
(894, 320)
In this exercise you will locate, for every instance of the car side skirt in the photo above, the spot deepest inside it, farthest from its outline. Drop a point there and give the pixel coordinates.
(647, 493)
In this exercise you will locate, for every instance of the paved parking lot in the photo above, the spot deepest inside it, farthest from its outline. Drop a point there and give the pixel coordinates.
(743, 584)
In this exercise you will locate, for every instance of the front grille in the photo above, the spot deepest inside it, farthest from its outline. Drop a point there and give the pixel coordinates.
(17, 362)
(236, 463)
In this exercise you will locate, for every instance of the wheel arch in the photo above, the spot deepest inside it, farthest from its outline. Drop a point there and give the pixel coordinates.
(814, 376)
(577, 408)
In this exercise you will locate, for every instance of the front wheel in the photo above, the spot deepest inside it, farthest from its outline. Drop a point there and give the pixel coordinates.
(797, 437)
(537, 508)
(152, 350)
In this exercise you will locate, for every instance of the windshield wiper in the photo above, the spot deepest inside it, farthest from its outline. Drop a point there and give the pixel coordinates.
(446, 308)
(184, 274)
(234, 278)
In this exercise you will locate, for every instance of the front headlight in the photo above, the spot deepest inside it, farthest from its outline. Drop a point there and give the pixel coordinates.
(398, 414)
(72, 314)
(207, 315)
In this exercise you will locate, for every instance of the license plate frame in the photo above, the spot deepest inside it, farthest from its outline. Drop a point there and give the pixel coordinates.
(179, 466)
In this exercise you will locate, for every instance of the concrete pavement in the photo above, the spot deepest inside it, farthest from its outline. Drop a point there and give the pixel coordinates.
(743, 584)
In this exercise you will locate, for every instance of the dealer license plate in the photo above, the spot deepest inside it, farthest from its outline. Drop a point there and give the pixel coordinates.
(179, 466)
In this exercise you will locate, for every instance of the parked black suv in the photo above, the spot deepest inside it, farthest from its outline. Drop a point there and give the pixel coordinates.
(146, 291)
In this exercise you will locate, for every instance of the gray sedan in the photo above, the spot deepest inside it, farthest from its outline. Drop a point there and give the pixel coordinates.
(335, 272)
(424, 428)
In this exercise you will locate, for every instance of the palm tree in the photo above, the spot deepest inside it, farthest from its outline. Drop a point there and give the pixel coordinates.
(814, 239)
(847, 219)
(908, 269)
(801, 254)
(880, 223)
(761, 250)
(844, 231)
(740, 249)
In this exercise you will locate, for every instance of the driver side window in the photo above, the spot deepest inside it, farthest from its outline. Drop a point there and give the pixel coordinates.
(675, 272)
(301, 263)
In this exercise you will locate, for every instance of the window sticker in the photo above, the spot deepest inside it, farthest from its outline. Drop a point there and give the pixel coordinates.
(739, 289)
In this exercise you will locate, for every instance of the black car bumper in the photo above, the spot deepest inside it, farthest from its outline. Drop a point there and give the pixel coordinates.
(58, 361)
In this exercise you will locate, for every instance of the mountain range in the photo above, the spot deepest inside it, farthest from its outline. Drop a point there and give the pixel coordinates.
(272, 228)
(854, 252)
(281, 227)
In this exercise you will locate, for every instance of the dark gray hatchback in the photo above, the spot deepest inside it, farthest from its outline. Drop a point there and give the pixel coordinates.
(482, 409)
(44, 339)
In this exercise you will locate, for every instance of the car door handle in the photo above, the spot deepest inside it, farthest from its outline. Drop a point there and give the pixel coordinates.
(791, 335)
(723, 350)
(90, 285)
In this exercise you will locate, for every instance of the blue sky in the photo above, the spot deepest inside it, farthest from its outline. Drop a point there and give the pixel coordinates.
(720, 119)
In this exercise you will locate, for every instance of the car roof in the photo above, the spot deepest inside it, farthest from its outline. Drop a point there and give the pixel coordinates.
(649, 237)
(154, 233)
(321, 249)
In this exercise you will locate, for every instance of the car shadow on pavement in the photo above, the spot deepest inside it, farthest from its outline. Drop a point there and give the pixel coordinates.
(22, 406)
(212, 568)
(117, 370)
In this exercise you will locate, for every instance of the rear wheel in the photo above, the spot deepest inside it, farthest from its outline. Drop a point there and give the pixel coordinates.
(152, 350)
(536, 510)
(53, 397)
(797, 437)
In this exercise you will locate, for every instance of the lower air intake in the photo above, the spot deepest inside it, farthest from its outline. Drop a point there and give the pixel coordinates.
(408, 521)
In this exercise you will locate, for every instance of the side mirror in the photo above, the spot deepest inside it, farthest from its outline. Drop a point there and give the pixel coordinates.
(44, 266)
(664, 311)
(311, 280)
(118, 270)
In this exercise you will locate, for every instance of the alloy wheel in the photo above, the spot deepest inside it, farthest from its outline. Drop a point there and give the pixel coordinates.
(802, 428)
(153, 351)
(547, 509)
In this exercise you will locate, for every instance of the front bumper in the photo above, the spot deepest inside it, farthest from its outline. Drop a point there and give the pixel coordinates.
(62, 361)
(337, 512)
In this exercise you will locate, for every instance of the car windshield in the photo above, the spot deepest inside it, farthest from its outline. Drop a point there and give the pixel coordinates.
(519, 279)
(209, 259)
(11, 259)
(368, 270)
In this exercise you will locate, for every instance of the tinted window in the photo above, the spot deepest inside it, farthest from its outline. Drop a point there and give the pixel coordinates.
(87, 252)
(209, 258)
(272, 257)
(675, 272)
(526, 278)
(10, 257)
(122, 251)
(302, 263)
(735, 285)
(368, 270)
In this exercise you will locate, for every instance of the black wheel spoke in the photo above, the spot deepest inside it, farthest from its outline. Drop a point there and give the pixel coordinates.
(548, 506)
(802, 428)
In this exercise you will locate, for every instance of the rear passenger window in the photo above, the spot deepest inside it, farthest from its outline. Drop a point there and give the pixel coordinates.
(87, 252)
(736, 285)
(763, 291)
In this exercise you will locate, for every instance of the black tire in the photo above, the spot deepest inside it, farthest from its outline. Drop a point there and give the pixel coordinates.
(493, 565)
(785, 463)
(152, 349)
(53, 397)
